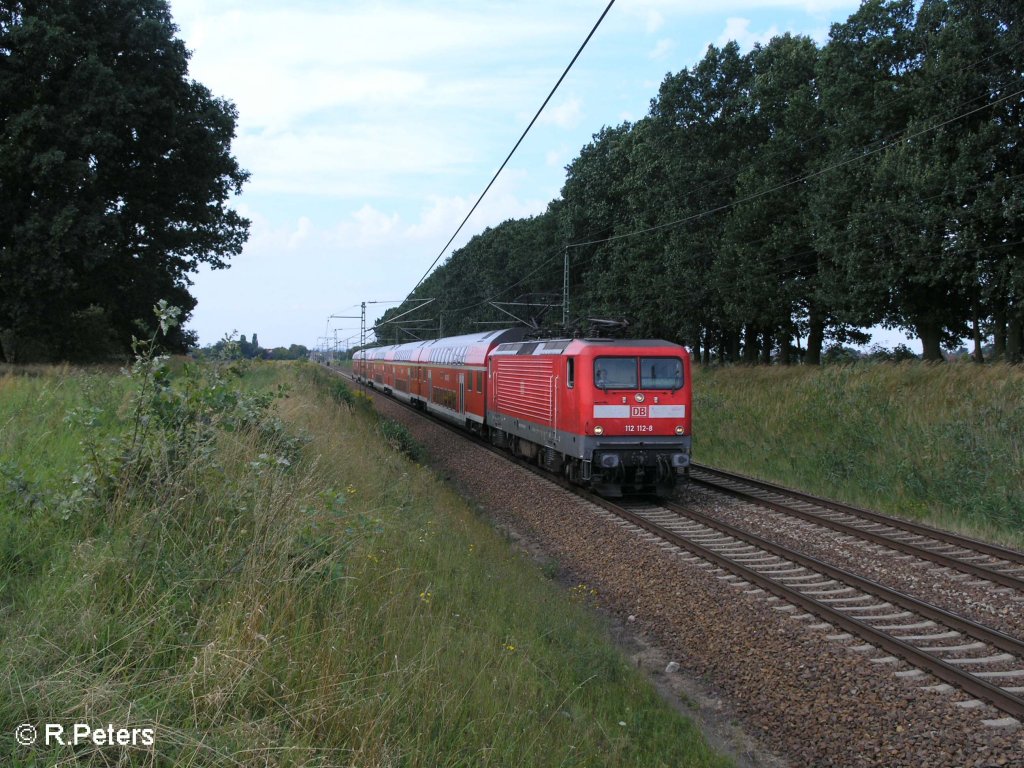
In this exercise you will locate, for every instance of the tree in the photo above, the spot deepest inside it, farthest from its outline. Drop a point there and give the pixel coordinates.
(595, 204)
(795, 191)
(115, 173)
(706, 137)
(924, 184)
(979, 67)
(505, 263)
(861, 77)
(765, 244)
(916, 204)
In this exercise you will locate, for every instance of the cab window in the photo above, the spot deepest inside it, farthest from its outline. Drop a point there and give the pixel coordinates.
(615, 372)
(638, 373)
(661, 373)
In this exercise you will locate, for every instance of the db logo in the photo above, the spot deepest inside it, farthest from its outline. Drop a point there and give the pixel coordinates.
(638, 410)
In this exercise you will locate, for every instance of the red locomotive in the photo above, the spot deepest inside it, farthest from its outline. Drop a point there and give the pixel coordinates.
(612, 415)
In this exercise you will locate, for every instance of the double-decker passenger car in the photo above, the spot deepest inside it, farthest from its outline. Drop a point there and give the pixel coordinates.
(612, 415)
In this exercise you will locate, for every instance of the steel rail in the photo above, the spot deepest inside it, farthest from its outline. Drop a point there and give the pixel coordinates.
(924, 553)
(1004, 553)
(978, 687)
(1001, 640)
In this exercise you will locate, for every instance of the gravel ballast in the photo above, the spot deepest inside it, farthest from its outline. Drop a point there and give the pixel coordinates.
(815, 701)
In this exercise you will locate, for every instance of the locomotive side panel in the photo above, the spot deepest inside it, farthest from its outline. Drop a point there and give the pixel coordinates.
(523, 387)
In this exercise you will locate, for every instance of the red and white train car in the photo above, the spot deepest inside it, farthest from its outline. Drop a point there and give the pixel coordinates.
(447, 377)
(609, 414)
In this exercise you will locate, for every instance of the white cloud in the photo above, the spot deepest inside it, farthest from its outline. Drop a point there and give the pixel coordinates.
(352, 161)
(368, 226)
(353, 101)
(442, 215)
(558, 157)
(819, 34)
(370, 128)
(655, 12)
(280, 65)
(739, 30)
(662, 49)
(655, 21)
(565, 115)
(301, 233)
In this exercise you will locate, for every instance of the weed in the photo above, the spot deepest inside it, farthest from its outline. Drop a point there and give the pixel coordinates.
(550, 569)
(263, 599)
(398, 437)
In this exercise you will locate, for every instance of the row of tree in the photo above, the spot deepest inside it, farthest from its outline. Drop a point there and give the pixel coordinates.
(230, 348)
(115, 174)
(774, 201)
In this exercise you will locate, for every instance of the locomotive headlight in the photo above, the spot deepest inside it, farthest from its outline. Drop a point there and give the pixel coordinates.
(680, 430)
(598, 429)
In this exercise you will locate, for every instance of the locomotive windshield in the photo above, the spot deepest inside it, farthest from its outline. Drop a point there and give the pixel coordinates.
(661, 373)
(652, 373)
(615, 372)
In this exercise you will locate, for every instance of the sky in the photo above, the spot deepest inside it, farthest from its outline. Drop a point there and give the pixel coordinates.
(370, 128)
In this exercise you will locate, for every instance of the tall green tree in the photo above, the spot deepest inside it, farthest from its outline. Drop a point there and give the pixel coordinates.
(596, 203)
(606, 203)
(765, 245)
(115, 173)
(796, 191)
(707, 137)
(976, 66)
(924, 101)
(862, 77)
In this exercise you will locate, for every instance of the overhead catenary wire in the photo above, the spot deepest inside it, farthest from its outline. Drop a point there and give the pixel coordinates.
(871, 148)
(513, 151)
(864, 153)
(796, 179)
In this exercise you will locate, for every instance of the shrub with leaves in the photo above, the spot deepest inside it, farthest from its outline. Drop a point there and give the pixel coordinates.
(174, 419)
(399, 438)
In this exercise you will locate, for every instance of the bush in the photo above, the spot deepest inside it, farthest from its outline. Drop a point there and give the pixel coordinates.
(398, 437)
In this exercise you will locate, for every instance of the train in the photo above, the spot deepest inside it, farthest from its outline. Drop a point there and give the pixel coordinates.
(611, 415)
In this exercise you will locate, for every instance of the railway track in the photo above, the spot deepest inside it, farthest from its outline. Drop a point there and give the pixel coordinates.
(990, 562)
(929, 638)
(983, 662)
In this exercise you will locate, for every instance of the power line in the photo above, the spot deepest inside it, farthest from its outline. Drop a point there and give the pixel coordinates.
(797, 179)
(873, 147)
(865, 152)
(528, 127)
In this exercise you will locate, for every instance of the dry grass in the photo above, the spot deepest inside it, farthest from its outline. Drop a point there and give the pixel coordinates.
(331, 606)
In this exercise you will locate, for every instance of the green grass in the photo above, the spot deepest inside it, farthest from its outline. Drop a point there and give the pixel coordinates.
(42, 483)
(292, 590)
(939, 443)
